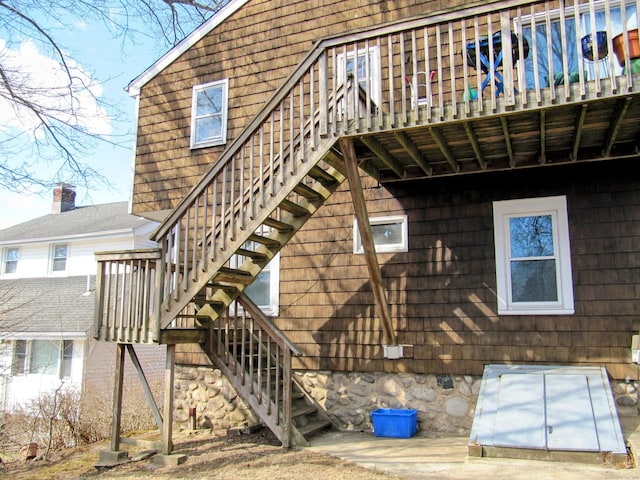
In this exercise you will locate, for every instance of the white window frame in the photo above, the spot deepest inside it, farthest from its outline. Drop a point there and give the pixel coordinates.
(5, 260)
(402, 246)
(374, 69)
(224, 85)
(273, 267)
(54, 258)
(556, 207)
(64, 358)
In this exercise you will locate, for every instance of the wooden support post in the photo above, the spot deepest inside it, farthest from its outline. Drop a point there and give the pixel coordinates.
(359, 205)
(117, 398)
(167, 424)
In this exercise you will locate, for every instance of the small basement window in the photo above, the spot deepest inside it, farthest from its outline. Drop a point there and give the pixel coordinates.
(389, 234)
(533, 260)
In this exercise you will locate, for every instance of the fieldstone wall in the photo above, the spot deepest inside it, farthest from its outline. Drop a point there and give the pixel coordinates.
(445, 403)
(217, 405)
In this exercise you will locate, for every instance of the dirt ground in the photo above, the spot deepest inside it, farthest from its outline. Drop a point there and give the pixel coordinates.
(255, 456)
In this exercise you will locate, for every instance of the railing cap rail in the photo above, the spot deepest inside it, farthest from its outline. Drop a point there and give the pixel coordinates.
(134, 254)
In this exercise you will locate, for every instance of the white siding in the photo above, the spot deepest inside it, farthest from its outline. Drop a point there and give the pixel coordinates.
(35, 258)
(20, 390)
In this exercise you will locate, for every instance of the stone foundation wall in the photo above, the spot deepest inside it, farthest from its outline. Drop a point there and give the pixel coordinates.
(217, 404)
(445, 403)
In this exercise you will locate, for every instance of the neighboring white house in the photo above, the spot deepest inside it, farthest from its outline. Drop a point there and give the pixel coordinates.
(47, 296)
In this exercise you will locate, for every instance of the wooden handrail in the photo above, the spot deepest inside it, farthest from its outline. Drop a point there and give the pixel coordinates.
(267, 325)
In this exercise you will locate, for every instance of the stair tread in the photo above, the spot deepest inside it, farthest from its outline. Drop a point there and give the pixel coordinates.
(266, 241)
(306, 191)
(305, 409)
(313, 427)
(322, 176)
(294, 208)
(277, 224)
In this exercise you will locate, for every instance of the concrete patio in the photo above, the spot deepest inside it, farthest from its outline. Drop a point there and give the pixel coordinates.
(445, 457)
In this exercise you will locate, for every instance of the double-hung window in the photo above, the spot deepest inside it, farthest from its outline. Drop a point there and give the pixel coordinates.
(209, 114)
(265, 289)
(43, 357)
(533, 259)
(11, 257)
(368, 71)
(59, 257)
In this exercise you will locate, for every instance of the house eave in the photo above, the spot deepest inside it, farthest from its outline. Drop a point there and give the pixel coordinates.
(185, 44)
(8, 336)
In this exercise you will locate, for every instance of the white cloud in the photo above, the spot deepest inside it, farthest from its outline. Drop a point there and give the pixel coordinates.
(43, 80)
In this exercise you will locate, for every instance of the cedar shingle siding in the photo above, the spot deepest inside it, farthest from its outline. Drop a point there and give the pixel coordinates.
(442, 291)
(256, 49)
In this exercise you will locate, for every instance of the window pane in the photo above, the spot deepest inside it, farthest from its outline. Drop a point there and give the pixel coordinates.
(387, 233)
(208, 128)
(19, 356)
(60, 251)
(44, 356)
(59, 264)
(260, 290)
(11, 260)
(534, 281)
(67, 356)
(209, 101)
(531, 236)
(558, 50)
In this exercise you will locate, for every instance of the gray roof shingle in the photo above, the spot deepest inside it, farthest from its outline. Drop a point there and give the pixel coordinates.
(79, 221)
(46, 305)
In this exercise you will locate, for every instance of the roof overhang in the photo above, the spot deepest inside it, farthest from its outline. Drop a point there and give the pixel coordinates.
(220, 16)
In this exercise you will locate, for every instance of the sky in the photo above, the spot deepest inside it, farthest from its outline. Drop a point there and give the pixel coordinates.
(115, 64)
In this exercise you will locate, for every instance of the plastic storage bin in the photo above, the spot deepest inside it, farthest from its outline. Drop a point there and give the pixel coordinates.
(390, 422)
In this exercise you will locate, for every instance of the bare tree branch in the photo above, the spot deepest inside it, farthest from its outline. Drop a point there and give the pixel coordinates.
(50, 122)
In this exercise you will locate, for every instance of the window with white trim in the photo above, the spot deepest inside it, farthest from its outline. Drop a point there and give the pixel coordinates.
(389, 234)
(370, 79)
(264, 291)
(209, 114)
(59, 257)
(42, 357)
(11, 257)
(533, 258)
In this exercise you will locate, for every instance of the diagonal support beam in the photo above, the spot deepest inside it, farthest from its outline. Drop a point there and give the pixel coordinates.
(145, 387)
(378, 149)
(413, 152)
(507, 141)
(444, 148)
(359, 205)
(578, 135)
(618, 116)
(473, 140)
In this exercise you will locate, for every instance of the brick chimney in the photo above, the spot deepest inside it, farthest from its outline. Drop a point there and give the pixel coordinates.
(64, 198)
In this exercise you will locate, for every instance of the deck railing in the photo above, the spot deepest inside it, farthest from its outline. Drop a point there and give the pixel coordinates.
(126, 283)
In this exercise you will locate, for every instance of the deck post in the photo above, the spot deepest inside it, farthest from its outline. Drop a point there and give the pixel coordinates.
(114, 456)
(166, 457)
(364, 227)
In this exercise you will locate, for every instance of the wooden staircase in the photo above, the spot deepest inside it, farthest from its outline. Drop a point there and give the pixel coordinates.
(253, 201)
(256, 357)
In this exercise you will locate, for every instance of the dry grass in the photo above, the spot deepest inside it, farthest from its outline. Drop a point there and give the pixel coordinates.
(252, 457)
